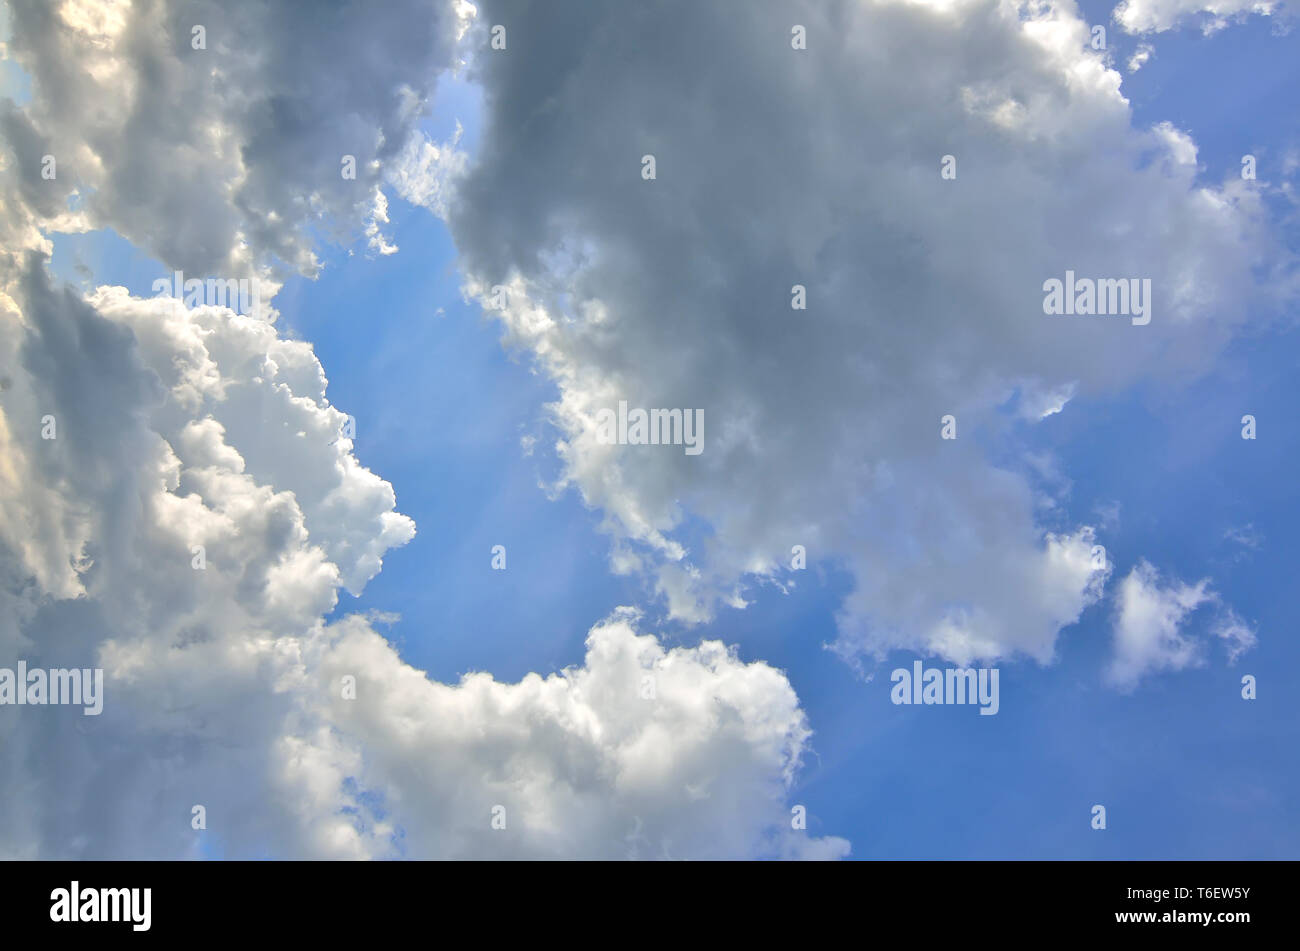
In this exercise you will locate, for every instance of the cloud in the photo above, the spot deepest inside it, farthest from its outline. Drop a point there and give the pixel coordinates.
(1037, 403)
(821, 168)
(640, 752)
(1157, 16)
(227, 160)
(425, 171)
(179, 428)
(1147, 623)
(1140, 57)
(1245, 539)
(1149, 626)
(1240, 637)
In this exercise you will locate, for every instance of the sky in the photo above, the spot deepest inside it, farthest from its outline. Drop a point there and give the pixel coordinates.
(523, 689)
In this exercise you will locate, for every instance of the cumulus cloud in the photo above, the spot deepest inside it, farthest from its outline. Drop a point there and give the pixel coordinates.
(821, 167)
(226, 160)
(1157, 16)
(1150, 633)
(179, 428)
(640, 752)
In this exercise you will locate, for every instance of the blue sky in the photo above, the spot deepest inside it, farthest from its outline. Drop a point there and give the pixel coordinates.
(1185, 766)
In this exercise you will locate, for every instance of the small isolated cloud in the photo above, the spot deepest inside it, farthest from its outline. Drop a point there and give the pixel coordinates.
(1149, 626)
(1140, 57)
(1246, 538)
(1038, 401)
(1237, 635)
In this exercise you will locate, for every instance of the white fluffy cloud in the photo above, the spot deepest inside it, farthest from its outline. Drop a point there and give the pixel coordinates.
(822, 167)
(178, 428)
(1157, 16)
(1140, 57)
(641, 752)
(1150, 626)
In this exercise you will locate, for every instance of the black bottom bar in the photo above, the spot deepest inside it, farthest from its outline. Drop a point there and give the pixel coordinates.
(1183, 900)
